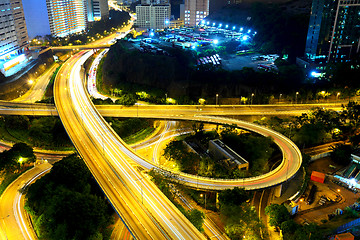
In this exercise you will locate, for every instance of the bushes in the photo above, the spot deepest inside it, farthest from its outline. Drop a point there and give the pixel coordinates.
(127, 127)
(66, 204)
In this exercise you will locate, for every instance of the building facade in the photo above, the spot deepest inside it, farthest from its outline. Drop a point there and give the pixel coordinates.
(67, 16)
(221, 152)
(97, 9)
(147, 2)
(334, 31)
(153, 16)
(13, 34)
(195, 11)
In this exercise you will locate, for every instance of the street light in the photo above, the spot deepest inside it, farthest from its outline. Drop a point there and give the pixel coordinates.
(280, 97)
(217, 99)
(296, 95)
(337, 95)
(252, 96)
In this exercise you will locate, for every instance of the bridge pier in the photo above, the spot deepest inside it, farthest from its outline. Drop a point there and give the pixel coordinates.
(278, 190)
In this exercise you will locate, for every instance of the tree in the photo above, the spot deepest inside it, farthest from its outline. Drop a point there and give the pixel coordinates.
(19, 154)
(67, 204)
(198, 128)
(311, 134)
(196, 217)
(174, 150)
(17, 122)
(289, 226)
(341, 153)
(126, 100)
(234, 196)
(277, 213)
(242, 220)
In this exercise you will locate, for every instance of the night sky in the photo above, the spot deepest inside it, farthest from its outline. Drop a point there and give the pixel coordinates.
(37, 21)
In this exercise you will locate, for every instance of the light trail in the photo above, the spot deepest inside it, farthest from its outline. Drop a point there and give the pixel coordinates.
(171, 224)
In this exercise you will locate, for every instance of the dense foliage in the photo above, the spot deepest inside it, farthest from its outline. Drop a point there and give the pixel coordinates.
(12, 159)
(321, 126)
(40, 132)
(280, 218)
(241, 220)
(256, 149)
(68, 204)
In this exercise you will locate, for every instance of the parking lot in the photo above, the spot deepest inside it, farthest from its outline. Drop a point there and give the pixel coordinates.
(235, 62)
(208, 38)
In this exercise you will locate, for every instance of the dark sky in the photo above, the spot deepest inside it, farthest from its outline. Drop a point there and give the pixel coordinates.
(36, 17)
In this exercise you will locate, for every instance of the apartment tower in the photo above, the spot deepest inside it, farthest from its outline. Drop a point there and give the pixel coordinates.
(97, 9)
(195, 11)
(67, 16)
(334, 31)
(153, 14)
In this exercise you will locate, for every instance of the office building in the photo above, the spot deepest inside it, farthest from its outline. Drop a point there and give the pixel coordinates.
(334, 31)
(195, 11)
(13, 35)
(97, 9)
(153, 16)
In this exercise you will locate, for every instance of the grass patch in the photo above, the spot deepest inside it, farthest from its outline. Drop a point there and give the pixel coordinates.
(42, 132)
(5, 135)
(139, 136)
(49, 87)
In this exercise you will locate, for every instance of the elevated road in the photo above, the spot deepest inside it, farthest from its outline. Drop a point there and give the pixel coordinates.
(291, 154)
(171, 111)
(146, 211)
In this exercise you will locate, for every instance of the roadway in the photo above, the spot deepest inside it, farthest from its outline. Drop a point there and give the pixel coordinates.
(290, 151)
(146, 211)
(14, 223)
(163, 132)
(38, 87)
(171, 111)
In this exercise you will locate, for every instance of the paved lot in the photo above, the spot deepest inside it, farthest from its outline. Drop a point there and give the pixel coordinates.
(328, 189)
(234, 62)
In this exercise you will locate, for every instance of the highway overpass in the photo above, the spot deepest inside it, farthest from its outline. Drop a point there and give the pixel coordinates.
(171, 111)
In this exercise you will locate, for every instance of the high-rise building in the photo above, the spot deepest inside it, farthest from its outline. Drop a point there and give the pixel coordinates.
(334, 31)
(97, 9)
(67, 16)
(144, 2)
(13, 34)
(153, 16)
(195, 11)
(72, 16)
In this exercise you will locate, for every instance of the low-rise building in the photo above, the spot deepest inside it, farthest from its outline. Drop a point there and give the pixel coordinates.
(176, 23)
(344, 236)
(222, 152)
